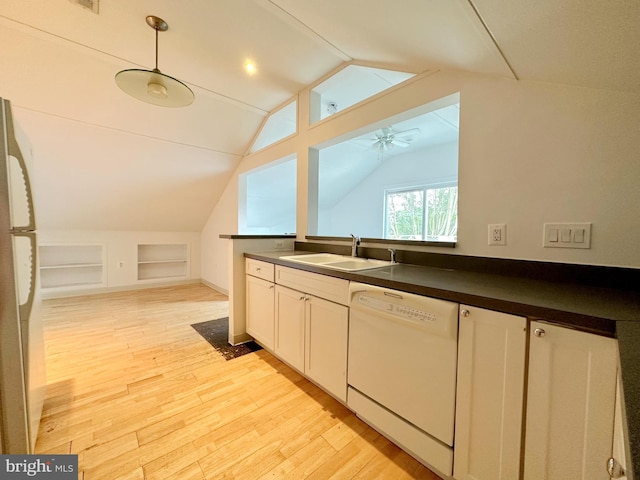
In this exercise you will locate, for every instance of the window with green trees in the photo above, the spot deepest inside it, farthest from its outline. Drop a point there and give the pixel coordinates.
(428, 213)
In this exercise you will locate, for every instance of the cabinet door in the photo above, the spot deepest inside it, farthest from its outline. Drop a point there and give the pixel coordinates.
(326, 330)
(260, 310)
(491, 368)
(570, 404)
(619, 455)
(290, 311)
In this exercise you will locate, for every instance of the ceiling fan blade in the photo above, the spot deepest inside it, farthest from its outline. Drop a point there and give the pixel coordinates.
(406, 133)
(400, 143)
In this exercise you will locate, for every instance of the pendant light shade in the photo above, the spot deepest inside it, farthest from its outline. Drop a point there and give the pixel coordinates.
(153, 86)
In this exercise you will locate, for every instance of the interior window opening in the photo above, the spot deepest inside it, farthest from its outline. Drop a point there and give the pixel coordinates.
(350, 86)
(267, 199)
(399, 180)
(278, 125)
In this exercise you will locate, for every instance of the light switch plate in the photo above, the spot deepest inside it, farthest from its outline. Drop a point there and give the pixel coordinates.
(567, 235)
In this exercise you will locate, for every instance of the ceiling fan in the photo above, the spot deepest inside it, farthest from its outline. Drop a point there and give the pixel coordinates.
(387, 138)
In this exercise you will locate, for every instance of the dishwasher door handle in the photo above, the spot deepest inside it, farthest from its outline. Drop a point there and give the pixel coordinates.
(394, 295)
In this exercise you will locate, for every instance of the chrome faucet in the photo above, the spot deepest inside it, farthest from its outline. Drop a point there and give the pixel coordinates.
(354, 245)
(393, 255)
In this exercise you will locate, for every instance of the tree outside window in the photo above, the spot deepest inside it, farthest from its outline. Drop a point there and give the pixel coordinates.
(425, 213)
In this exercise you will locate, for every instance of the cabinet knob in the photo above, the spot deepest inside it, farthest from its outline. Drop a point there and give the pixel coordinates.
(539, 332)
(614, 468)
(257, 269)
(465, 312)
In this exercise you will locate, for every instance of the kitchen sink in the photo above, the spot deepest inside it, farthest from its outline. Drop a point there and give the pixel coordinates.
(338, 262)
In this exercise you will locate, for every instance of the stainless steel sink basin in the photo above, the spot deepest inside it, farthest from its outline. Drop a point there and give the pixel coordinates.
(338, 262)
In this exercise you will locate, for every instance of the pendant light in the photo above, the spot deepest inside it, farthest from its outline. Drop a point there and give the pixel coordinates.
(153, 86)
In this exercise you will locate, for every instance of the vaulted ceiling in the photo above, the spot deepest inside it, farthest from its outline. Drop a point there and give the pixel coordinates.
(106, 161)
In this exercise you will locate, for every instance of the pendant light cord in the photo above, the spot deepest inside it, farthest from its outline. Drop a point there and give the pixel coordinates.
(156, 29)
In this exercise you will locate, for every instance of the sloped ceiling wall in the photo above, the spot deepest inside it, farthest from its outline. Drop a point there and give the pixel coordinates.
(106, 161)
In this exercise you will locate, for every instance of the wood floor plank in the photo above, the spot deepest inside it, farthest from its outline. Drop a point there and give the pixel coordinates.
(137, 393)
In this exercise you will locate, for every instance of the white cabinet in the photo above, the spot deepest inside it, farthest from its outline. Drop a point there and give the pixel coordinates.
(158, 261)
(326, 335)
(322, 286)
(71, 265)
(491, 369)
(260, 316)
(570, 404)
(567, 425)
(617, 464)
(290, 313)
(311, 335)
(311, 332)
(260, 302)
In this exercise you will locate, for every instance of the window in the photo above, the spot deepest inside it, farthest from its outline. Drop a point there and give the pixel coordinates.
(428, 213)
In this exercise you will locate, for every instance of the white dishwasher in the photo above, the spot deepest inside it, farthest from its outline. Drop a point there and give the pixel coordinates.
(402, 369)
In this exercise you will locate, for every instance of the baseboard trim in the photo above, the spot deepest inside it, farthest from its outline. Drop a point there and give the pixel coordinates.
(80, 292)
(212, 286)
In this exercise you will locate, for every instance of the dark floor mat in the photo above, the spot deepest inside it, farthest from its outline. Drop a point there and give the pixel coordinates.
(216, 332)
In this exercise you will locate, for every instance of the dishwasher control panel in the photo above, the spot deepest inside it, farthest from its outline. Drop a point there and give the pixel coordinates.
(402, 311)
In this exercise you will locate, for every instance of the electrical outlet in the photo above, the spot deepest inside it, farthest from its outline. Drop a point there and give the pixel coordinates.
(497, 234)
(279, 243)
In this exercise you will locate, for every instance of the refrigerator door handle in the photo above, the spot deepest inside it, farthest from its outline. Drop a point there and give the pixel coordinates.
(26, 264)
(18, 177)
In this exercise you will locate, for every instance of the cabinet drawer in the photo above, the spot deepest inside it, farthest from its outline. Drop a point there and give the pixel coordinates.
(259, 269)
(323, 286)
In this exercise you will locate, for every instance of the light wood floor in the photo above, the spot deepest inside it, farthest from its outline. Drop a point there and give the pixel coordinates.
(137, 393)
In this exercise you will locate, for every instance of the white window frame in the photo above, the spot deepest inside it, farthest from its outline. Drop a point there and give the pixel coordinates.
(424, 188)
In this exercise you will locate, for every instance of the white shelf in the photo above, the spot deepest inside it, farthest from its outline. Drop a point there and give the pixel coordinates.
(66, 265)
(163, 261)
(75, 265)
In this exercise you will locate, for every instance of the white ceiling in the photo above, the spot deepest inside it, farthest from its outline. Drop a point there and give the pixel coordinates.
(107, 161)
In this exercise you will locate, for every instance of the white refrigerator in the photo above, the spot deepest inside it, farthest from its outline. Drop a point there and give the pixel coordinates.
(22, 369)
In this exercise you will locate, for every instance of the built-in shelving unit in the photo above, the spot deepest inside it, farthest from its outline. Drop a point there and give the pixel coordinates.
(158, 261)
(65, 266)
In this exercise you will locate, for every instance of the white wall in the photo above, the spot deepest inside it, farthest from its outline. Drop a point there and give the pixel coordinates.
(361, 211)
(122, 246)
(223, 220)
(529, 153)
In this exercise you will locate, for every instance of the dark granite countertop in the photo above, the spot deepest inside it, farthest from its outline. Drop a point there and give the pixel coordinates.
(604, 311)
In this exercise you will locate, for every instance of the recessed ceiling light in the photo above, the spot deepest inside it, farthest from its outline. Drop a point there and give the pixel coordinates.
(250, 67)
